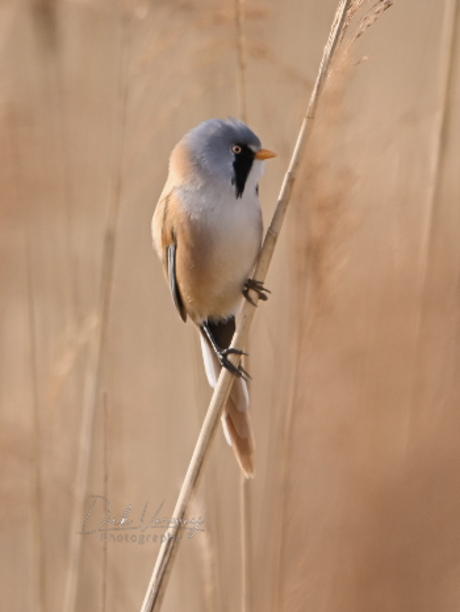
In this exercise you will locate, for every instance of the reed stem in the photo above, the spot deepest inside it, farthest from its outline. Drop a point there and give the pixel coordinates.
(166, 556)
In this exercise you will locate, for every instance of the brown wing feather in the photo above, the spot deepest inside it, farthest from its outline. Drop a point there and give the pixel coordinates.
(165, 241)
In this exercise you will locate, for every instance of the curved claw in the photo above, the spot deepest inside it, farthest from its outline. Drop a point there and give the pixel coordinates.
(256, 286)
(232, 351)
(237, 371)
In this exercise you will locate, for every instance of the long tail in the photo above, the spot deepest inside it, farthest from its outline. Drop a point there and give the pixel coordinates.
(235, 418)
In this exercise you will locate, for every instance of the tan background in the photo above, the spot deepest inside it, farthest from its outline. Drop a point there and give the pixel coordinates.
(355, 358)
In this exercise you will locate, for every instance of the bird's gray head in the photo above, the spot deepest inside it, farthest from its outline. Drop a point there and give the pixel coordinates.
(225, 150)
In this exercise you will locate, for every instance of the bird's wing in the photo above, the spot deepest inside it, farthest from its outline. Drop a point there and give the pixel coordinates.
(165, 242)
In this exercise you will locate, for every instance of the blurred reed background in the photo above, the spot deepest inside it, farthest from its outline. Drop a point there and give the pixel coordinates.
(355, 358)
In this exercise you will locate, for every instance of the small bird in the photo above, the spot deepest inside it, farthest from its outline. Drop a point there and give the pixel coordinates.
(207, 231)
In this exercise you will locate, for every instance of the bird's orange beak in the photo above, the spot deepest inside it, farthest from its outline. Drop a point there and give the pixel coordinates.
(265, 154)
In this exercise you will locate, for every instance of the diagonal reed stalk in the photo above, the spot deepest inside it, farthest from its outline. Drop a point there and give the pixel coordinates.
(166, 556)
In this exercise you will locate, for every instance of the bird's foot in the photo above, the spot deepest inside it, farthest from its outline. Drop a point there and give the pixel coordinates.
(225, 362)
(256, 286)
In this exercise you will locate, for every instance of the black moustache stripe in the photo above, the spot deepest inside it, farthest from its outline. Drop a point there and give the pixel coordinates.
(242, 165)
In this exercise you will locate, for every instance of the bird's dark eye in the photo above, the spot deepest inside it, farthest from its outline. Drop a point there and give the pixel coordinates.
(236, 149)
